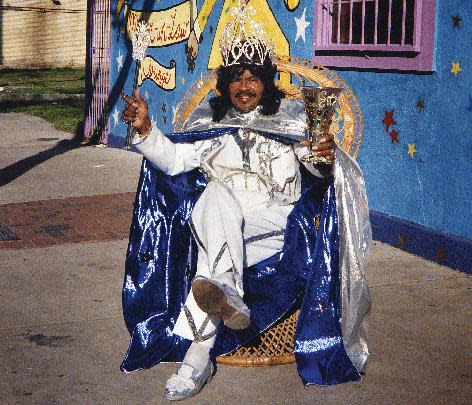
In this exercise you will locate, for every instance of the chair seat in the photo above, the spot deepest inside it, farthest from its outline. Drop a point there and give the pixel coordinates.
(274, 346)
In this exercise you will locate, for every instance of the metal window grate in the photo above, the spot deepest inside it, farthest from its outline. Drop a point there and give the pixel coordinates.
(96, 109)
(384, 25)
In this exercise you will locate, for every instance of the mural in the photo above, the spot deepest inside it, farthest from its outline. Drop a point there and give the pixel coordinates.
(263, 15)
(183, 47)
(417, 144)
(417, 149)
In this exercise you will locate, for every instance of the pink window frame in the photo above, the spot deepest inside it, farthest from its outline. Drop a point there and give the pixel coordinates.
(416, 57)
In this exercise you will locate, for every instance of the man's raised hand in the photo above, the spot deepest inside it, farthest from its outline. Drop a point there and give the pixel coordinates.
(136, 113)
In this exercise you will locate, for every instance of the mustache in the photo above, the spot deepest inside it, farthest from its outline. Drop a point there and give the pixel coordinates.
(245, 93)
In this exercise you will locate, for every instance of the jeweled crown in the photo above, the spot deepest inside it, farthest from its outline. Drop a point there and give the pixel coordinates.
(243, 40)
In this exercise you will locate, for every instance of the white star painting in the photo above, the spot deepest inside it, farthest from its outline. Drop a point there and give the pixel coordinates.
(153, 122)
(302, 25)
(119, 59)
(115, 116)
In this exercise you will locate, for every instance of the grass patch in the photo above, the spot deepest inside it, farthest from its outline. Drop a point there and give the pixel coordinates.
(65, 115)
(42, 81)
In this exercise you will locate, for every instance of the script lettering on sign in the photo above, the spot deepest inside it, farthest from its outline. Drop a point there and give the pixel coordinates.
(166, 27)
(163, 76)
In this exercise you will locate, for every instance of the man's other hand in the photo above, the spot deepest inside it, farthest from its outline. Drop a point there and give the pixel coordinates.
(326, 147)
(136, 113)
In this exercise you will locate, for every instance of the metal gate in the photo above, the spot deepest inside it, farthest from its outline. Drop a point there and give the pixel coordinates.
(96, 126)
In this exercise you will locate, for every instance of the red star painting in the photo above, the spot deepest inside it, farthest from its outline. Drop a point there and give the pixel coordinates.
(389, 120)
(394, 136)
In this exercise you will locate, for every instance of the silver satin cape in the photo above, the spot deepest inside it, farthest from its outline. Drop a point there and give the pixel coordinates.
(352, 207)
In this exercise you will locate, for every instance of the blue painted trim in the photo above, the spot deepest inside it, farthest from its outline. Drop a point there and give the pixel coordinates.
(115, 141)
(442, 248)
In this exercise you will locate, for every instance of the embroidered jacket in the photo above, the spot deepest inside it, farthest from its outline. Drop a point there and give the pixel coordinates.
(245, 161)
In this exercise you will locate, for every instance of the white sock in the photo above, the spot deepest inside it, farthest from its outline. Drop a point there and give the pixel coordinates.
(198, 355)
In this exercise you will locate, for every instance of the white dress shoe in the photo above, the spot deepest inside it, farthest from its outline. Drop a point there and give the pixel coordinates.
(219, 300)
(188, 382)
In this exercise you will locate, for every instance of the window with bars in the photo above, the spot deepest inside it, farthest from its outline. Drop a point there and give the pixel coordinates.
(382, 34)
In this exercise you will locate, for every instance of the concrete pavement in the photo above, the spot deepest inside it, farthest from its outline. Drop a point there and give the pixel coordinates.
(62, 336)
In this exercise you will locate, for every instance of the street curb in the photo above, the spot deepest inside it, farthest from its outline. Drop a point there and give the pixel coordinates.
(38, 98)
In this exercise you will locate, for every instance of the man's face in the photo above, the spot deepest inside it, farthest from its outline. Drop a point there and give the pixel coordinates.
(245, 91)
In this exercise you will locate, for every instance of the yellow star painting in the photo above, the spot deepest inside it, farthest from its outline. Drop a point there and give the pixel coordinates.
(411, 149)
(456, 68)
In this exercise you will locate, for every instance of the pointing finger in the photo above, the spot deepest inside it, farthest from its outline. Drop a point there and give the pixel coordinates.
(137, 96)
(127, 99)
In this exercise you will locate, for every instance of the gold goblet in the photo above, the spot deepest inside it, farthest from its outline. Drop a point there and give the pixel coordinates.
(320, 105)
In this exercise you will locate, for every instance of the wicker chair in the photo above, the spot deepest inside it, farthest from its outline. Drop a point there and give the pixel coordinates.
(275, 345)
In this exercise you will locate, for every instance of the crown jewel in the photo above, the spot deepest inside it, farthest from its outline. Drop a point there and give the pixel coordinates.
(243, 40)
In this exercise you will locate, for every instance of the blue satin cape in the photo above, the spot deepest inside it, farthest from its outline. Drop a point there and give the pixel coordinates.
(161, 262)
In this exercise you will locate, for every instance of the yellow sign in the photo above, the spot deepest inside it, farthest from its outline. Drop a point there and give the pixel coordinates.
(166, 27)
(163, 76)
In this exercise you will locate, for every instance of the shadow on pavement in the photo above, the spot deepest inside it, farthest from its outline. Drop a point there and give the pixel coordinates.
(17, 169)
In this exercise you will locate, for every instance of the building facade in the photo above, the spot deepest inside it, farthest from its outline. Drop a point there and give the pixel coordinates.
(42, 33)
(408, 62)
(413, 80)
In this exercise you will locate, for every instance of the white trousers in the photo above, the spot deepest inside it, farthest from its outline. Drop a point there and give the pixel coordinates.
(233, 230)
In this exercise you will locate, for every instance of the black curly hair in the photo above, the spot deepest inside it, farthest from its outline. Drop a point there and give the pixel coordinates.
(271, 96)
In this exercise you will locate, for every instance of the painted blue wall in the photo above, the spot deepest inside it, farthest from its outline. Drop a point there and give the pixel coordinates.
(433, 188)
(122, 65)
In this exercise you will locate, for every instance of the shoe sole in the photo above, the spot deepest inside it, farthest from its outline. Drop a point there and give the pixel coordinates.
(212, 300)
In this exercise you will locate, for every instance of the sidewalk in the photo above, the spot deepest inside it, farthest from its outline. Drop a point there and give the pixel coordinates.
(62, 336)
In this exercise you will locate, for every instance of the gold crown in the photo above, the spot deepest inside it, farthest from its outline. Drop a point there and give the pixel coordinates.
(243, 40)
